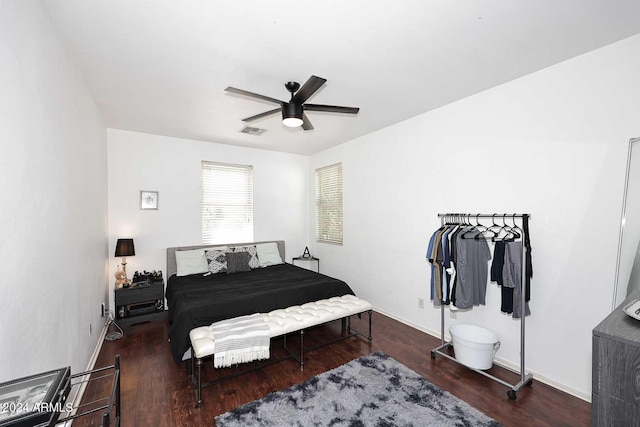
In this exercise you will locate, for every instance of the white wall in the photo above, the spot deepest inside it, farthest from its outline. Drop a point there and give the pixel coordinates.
(53, 192)
(139, 161)
(552, 144)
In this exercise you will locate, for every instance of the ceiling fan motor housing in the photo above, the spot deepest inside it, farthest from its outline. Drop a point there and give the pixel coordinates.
(291, 110)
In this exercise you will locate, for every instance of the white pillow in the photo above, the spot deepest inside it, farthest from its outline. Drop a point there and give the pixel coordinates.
(191, 262)
(268, 254)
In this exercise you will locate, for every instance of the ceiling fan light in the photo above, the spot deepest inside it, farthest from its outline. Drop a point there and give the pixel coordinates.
(292, 122)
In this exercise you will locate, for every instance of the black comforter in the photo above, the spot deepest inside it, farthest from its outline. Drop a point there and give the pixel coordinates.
(199, 300)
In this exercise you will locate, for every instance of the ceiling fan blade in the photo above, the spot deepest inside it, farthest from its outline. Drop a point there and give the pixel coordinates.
(331, 108)
(309, 88)
(261, 115)
(253, 95)
(306, 124)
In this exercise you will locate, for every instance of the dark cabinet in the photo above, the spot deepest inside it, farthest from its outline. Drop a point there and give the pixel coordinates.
(140, 303)
(615, 399)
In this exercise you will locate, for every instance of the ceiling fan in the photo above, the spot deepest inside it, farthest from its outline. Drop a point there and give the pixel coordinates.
(293, 111)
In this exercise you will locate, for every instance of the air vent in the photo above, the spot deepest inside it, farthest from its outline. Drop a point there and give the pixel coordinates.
(252, 131)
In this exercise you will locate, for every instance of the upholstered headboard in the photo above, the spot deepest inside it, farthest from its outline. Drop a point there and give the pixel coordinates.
(171, 252)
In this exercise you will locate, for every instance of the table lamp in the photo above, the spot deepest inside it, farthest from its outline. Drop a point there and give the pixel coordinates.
(125, 248)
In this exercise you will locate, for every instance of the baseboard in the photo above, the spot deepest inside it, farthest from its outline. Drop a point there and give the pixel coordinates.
(77, 398)
(498, 361)
(543, 379)
(409, 323)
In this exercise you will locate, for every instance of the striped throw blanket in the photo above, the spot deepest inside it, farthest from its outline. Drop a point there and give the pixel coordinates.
(239, 340)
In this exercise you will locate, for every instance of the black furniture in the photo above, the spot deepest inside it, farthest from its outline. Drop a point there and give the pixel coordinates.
(308, 258)
(39, 400)
(108, 405)
(34, 400)
(140, 302)
(615, 392)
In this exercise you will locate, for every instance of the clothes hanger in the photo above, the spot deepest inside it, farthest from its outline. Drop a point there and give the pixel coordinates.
(506, 229)
(514, 232)
(493, 229)
(517, 231)
(475, 229)
(467, 220)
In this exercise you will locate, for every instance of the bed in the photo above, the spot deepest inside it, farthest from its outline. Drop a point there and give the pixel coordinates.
(198, 300)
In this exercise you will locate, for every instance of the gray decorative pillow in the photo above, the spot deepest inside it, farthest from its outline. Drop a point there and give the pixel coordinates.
(237, 261)
(217, 261)
(253, 255)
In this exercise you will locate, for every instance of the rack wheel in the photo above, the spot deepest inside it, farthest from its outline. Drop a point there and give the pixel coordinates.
(511, 394)
(433, 354)
(529, 382)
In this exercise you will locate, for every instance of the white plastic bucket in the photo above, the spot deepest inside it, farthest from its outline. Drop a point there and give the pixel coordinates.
(474, 346)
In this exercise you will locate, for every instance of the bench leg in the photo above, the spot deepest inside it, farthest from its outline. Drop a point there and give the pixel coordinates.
(199, 386)
(302, 349)
(190, 367)
(370, 337)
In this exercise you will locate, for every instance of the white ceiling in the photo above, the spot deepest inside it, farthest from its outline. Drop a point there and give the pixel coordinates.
(161, 66)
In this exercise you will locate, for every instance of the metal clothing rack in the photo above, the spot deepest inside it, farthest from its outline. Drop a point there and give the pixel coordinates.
(525, 379)
(110, 404)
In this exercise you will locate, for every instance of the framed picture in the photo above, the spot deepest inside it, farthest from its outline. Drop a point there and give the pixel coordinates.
(31, 400)
(148, 200)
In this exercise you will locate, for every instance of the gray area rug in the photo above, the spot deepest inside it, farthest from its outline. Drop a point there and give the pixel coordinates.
(373, 390)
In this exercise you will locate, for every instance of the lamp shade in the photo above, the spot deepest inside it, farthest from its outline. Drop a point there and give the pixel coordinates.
(124, 247)
(292, 115)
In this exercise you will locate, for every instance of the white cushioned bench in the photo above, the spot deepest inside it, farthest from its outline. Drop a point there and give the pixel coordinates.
(284, 321)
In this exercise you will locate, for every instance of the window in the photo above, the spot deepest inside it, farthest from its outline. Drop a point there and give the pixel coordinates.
(329, 204)
(227, 203)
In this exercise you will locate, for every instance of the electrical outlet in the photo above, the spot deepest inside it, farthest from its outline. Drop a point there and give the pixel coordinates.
(420, 302)
(453, 314)
(103, 310)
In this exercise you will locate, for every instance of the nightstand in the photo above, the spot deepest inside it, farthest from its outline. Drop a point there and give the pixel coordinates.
(301, 258)
(140, 303)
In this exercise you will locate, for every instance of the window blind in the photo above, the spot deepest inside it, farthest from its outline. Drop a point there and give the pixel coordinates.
(329, 204)
(227, 203)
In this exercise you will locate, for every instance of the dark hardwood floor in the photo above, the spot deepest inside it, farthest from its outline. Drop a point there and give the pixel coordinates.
(155, 391)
